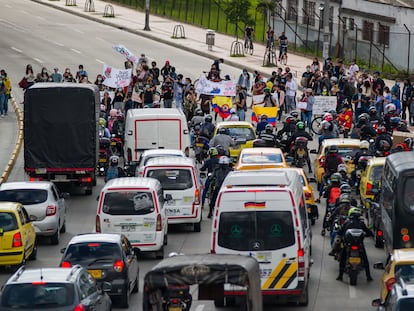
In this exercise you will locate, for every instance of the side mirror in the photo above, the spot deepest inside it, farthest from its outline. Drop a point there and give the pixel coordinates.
(32, 217)
(137, 251)
(313, 151)
(106, 286)
(63, 250)
(168, 197)
(311, 179)
(376, 302)
(379, 266)
(129, 133)
(65, 195)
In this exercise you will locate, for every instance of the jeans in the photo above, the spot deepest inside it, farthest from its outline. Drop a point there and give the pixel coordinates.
(2, 99)
(205, 190)
(290, 103)
(168, 103)
(281, 48)
(179, 101)
(6, 103)
(241, 114)
(307, 117)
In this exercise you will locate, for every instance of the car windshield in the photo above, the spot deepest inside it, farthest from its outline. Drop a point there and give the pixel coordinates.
(405, 304)
(24, 196)
(348, 151)
(252, 231)
(405, 271)
(37, 296)
(408, 191)
(241, 132)
(8, 222)
(261, 158)
(128, 203)
(147, 158)
(92, 251)
(376, 173)
(173, 179)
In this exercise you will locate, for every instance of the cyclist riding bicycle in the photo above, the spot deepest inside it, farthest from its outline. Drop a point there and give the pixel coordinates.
(248, 35)
(283, 44)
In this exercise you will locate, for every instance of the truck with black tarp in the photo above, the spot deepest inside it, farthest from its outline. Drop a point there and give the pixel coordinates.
(61, 142)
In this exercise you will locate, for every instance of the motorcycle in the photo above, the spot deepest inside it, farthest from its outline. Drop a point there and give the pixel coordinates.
(104, 154)
(327, 221)
(177, 299)
(200, 145)
(117, 146)
(353, 246)
(301, 151)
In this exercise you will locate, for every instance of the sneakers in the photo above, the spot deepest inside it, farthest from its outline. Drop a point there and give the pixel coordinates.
(339, 278)
(209, 215)
(331, 253)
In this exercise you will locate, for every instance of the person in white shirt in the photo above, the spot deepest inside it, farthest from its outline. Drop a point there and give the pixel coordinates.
(233, 115)
(291, 88)
(353, 69)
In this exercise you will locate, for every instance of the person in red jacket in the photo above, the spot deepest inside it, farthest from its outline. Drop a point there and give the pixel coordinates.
(345, 119)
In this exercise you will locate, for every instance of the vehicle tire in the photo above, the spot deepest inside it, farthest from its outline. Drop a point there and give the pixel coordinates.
(136, 285)
(166, 239)
(33, 255)
(197, 226)
(54, 239)
(219, 302)
(63, 229)
(88, 192)
(160, 253)
(230, 301)
(353, 277)
(125, 299)
(315, 124)
(304, 298)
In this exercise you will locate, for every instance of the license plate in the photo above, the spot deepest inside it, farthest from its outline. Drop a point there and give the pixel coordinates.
(128, 228)
(102, 160)
(354, 260)
(171, 202)
(113, 143)
(201, 145)
(60, 177)
(97, 274)
(175, 309)
(301, 152)
(40, 171)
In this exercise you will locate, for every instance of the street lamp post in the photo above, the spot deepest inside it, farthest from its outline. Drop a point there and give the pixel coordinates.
(325, 10)
(147, 13)
(319, 32)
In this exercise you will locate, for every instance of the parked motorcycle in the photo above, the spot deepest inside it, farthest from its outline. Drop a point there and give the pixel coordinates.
(353, 246)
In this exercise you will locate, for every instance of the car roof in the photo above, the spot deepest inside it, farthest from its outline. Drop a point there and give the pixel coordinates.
(341, 142)
(264, 150)
(170, 161)
(61, 275)
(234, 124)
(45, 185)
(96, 237)
(278, 177)
(403, 255)
(158, 112)
(379, 161)
(162, 152)
(133, 182)
(8, 206)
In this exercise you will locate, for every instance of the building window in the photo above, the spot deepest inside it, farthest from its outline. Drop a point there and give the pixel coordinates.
(367, 31)
(292, 10)
(383, 34)
(309, 8)
(350, 23)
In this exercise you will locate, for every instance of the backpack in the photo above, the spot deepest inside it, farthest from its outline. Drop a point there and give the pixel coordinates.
(112, 173)
(334, 194)
(220, 175)
(331, 163)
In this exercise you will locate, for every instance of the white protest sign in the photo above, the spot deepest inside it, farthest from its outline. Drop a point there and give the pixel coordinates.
(115, 77)
(323, 104)
(223, 88)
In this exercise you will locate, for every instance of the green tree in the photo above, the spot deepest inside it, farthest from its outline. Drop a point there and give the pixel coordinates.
(237, 12)
(266, 7)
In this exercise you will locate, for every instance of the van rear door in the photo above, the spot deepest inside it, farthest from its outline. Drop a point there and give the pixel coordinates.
(170, 133)
(146, 134)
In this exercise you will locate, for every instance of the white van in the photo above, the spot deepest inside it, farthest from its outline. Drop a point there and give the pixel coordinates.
(161, 128)
(179, 178)
(156, 153)
(263, 214)
(134, 206)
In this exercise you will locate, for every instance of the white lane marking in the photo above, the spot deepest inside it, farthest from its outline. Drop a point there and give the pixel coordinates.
(76, 51)
(199, 308)
(16, 49)
(57, 43)
(352, 292)
(100, 61)
(38, 60)
(100, 39)
(77, 30)
(25, 12)
(8, 6)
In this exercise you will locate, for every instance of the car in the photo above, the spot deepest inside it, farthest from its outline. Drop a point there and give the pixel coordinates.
(44, 203)
(63, 289)
(400, 298)
(400, 263)
(17, 235)
(347, 148)
(156, 153)
(370, 179)
(260, 158)
(108, 258)
(238, 130)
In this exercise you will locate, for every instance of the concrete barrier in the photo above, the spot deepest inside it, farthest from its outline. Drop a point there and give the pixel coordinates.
(19, 142)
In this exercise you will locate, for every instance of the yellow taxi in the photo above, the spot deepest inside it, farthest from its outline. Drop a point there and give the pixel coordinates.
(240, 131)
(260, 158)
(401, 263)
(17, 235)
(370, 178)
(347, 148)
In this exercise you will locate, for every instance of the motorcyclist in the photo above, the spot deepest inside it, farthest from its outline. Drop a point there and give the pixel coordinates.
(363, 129)
(198, 118)
(383, 136)
(343, 170)
(207, 128)
(223, 139)
(339, 214)
(327, 128)
(363, 151)
(330, 166)
(269, 137)
(103, 130)
(261, 126)
(289, 126)
(373, 115)
(114, 170)
(389, 113)
(210, 164)
(219, 174)
(354, 221)
(346, 191)
(300, 132)
(331, 193)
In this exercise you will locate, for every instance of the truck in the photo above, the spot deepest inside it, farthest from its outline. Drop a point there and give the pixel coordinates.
(61, 137)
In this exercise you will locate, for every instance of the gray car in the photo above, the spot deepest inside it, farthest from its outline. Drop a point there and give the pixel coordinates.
(44, 203)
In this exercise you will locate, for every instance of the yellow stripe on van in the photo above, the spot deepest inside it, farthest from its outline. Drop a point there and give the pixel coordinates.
(287, 275)
(275, 272)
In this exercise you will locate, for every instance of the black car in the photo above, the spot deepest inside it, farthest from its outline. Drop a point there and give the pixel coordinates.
(108, 258)
(58, 289)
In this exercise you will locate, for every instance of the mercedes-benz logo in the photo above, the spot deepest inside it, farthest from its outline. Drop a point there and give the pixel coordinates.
(256, 245)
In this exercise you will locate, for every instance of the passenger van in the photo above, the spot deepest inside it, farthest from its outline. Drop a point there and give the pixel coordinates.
(179, 178)
(263, 214)
(397, 201)
(134, 206)
(163, 128)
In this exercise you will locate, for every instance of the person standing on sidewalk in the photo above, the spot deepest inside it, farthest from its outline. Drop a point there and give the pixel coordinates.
(2, 96)
(291, 88)
(270, 37)
(240, 103)
(7, 93)
(283, 44)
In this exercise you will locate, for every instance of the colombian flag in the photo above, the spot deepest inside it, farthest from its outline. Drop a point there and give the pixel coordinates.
(271, 113)
(254, 204)
(222, 105)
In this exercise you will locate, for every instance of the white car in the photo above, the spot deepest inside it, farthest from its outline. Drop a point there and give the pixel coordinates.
(44, 204)
(156, 153)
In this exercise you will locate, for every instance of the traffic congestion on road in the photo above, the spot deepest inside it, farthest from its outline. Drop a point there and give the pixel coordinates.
(133, 164)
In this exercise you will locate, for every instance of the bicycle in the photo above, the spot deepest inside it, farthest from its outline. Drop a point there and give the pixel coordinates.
(248, 45)
(315, 125)
(284, 56)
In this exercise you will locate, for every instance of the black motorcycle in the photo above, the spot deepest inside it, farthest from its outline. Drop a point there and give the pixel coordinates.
(354, 246)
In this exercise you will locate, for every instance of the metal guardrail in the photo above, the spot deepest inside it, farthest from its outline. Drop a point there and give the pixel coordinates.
(178, 32)
(89, 6)
(70, 2)
(109, 11)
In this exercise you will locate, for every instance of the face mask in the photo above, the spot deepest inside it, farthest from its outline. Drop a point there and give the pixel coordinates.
(324, 90)
(397, 84)
(44, 71)
(307, 69)
(67, 71)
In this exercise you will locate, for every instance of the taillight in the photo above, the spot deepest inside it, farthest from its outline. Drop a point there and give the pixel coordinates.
(17, 240)
(389, 283)
(119, 265)
(35, 178)
(85, 179)
(79, 307)
(369, 189)
(405, 238)
(159, 223)
(98, 224)
(129, 155)
(301, 263)
(51, 210)
(175, 301)
(308, 195)
(321, 160)
(379, 233)
(354, 247)
(197, 197)
(66, 264)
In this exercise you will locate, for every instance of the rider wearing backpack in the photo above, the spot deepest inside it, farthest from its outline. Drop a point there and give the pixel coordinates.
(114, 171)
(219, 174)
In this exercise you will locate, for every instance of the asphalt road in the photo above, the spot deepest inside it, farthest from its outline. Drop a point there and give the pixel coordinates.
(36, 34)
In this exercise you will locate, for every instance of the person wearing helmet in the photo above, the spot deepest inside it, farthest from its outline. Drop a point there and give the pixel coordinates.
(373, 114)
(268, 137)
(331, 194)
(339, 215)
(292, 142)
(345, 118)
(260, 127)
(233, 115)
(210, 164)
(103, 130)
(198, 118)
(364, 151)
(363, 129)
(327, 129)
(217, 178)
(207, 127)
(289, 126)
(332, 160)
(223, 139)
(354, 221)
(114, 171)
(343, 170)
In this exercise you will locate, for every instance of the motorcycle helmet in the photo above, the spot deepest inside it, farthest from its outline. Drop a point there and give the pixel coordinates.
(372, 110)
(199, 112)
(102, 122)
(363, 161)
(354, 212)
(364, 144)
(409, 142)
(224, 160)
(402, 126)
(289, 119)
(269, 128)
(208, 118)
(390, 108)
(381, 129)
(328, 117)
(263, 117)
(114, 160)
(336, 177)
(333, 113)
(342, 168)
(223, 130)
(212, 152)
(384, 145)
(220, 150)
(113, 113)
(294, 114)
(258, 143)
(345, 188)
(300, 126)
(333, 149)
(344, 200)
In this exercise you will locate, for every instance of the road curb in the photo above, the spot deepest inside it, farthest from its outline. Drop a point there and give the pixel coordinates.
(19, 142)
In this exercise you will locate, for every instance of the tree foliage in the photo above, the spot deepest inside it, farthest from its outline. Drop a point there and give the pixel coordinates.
(237, 11)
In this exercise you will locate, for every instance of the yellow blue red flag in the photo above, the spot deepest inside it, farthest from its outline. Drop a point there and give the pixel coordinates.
(270, 112)
(222, 105)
